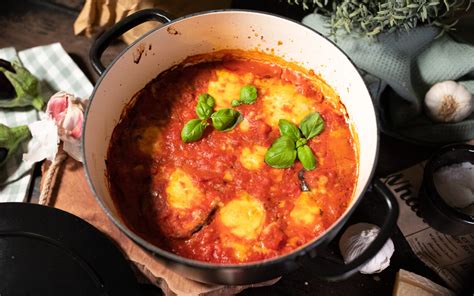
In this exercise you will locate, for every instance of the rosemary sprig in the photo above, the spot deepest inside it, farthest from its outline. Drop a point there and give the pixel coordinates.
(374, 17)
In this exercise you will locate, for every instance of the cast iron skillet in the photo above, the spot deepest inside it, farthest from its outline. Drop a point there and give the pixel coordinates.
(46, 251)
(250, 272)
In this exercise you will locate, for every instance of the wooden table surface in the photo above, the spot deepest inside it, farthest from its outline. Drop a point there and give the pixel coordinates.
(25, 24)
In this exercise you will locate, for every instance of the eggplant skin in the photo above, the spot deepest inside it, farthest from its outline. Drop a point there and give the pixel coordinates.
(10, 140)
(7, 91)
(7, 66)
(18, 87)
(3, 154)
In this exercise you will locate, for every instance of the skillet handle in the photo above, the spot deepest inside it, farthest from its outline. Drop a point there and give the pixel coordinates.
(131, 21)
(332, 270)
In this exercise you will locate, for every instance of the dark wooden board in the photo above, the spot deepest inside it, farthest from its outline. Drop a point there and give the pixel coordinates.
(25, 24)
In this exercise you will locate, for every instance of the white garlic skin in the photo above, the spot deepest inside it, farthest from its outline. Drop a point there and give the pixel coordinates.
(356, 239)
(448, 101)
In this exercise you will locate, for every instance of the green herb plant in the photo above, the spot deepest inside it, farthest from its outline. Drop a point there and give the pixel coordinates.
(10, 140)
(293, 141)
(248, 95)
(222, 120)
(374, 17)
(25, 87)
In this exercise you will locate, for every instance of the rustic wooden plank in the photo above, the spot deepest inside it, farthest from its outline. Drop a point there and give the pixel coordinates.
(74, 5)
(24, 25)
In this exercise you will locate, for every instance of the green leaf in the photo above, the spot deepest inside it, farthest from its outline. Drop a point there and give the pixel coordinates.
(205, 106)
(312, 125)
(226, 119)
(248, 94)
(282, 153)
(193, 130)
(10, 139)
(306, 157)
(27, 88)
(301, 142)
(235, 103)
(289, 129)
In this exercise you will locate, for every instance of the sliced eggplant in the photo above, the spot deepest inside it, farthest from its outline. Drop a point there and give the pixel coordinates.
(7, 91)
(18, 87)
(3, 154)
(7, 66)
(10, 140)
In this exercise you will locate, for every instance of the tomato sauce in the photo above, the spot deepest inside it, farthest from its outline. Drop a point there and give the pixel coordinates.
(146, 154)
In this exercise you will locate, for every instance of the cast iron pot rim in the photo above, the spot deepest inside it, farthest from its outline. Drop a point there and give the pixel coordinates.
(432, 192)
(201, 264)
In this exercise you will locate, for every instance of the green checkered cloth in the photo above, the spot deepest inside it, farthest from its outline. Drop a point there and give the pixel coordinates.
(57, 71)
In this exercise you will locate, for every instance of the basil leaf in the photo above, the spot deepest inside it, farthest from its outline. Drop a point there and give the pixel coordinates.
(226, 119)
(312, 125)
(248, 94)
(205, 106)
(235, 103)
(193, 130)
(289, 129)
(301, 142)
(282, 153)
(306, 157)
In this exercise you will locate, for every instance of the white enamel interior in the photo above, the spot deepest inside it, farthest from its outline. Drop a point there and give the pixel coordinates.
(213, 31)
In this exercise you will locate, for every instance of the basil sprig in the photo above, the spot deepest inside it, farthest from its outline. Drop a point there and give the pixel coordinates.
(292, 143)
(226, 119)
(282, 153)
(312, 125)
(248, 95)
(205, 106)
(222, 120)
(193, 130)
(289, 129)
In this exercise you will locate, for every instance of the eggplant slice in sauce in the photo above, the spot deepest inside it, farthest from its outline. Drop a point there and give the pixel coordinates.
(186, 208)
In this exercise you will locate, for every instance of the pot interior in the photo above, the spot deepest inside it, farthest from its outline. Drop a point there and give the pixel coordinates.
(213, 31)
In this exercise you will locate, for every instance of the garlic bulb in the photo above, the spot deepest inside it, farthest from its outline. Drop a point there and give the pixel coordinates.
(448, 101)
(356, 239)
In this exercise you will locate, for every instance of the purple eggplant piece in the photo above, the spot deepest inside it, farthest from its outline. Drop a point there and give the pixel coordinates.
(7, 91)
(3, 154)
(7, 65)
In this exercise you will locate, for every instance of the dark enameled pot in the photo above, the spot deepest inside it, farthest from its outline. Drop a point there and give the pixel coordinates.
(210, 31)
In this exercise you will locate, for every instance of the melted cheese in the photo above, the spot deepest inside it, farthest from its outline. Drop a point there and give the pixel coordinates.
(148, 139)
(243, 217)
(228, 176)
(227, 87)
(283, 101)
(182, 193)
(240, 251)
(306, 209)
(253, 159)
(244, 125)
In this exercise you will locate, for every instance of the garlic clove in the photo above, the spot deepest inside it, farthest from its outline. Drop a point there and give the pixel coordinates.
(448, 101)
(357, 238)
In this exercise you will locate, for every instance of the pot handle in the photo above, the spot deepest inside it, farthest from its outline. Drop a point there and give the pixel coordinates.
(330, 269)
(131, 21)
